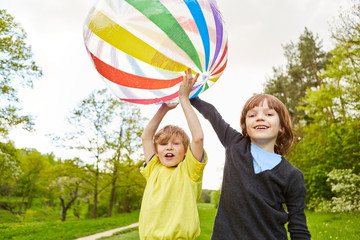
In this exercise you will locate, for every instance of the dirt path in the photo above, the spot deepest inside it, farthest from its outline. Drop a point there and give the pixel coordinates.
(108, 233)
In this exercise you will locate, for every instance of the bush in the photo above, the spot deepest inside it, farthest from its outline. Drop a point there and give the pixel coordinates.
(345, 185)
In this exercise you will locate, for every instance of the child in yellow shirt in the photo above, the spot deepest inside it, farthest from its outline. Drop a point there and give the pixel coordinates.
(174, 169)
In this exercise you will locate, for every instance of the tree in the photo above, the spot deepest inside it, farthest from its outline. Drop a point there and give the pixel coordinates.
(344, 69)
(67, 184)
(125, 141)
(305, 60)
(331, 140)
(17, 68)
(9, 168)
(105, 129)
(90, 120)
(131, 184)
(30, 181)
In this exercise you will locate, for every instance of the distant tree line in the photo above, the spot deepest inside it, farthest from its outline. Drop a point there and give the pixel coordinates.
(108, 132)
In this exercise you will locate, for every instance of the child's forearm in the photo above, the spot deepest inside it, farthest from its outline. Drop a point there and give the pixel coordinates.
(192, 120)
(154, 123)
(197, 135)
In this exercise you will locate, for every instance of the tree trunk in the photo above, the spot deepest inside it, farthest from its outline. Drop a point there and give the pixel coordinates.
(46, 206)
(127, 208)
(65, 208)
(95, 203)
(113, 189)
(97, 172)
(112, 197)
(21, 204)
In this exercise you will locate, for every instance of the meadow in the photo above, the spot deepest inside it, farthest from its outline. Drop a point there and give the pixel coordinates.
(51, 229)
(322, 226)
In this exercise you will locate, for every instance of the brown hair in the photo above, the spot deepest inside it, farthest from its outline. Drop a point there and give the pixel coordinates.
(167, 133)
(285, 137)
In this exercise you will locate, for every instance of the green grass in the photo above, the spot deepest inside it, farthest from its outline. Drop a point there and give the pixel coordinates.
(207, 215)
(129, 234)
(338, 226)
(58, 230)
(321, 225)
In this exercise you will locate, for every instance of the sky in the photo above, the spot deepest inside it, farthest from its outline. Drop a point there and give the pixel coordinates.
(257, 30)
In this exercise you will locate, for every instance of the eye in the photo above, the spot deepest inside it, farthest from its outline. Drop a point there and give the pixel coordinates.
(270, 112)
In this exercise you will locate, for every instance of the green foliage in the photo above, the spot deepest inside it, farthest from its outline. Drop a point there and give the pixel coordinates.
(205, 196)
(305, 60)
(331, 138)
(215, 196)
(107, 131)
(325, 147)
(345, 186)
(39, 178)
(17, 68)
(9, 167)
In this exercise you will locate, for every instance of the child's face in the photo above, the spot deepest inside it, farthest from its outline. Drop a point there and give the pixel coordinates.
(263, 125)
(171, 153)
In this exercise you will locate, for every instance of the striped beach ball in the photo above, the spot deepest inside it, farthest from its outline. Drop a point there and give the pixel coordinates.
(141, 48)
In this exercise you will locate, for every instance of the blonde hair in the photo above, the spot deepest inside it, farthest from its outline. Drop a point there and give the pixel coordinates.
(167, 133)
(285, 137)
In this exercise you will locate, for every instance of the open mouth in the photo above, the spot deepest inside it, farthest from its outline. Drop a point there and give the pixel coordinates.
(169, 155)
(261, 127)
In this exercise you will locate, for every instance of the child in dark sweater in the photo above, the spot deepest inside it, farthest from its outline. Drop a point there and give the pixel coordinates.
(257, 179)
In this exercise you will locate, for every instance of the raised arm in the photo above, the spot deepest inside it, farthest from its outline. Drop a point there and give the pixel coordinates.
(223, 130)
(193, 122)
(150, 130)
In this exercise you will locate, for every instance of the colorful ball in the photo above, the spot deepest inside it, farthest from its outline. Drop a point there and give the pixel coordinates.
(141, 48)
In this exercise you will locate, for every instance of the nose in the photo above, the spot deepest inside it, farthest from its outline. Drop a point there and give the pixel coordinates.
(169, 146)
(260, 118)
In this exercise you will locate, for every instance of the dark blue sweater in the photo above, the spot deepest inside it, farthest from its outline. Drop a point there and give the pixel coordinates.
(251, 205)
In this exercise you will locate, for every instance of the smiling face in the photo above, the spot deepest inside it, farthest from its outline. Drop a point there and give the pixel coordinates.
(172, 152)
(263, 126)
(266, 130)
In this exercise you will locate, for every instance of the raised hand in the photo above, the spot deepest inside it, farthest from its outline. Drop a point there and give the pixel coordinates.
(187, 84)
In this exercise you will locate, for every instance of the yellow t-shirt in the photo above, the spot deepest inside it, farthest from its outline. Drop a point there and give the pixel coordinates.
(168, 208)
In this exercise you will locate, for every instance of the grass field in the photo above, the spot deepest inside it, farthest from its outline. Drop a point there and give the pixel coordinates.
(57, 230)
(207, 214)
(322, 226)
